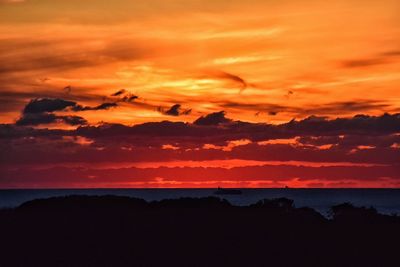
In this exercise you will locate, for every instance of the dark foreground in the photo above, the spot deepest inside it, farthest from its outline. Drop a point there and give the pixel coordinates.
(121, 231)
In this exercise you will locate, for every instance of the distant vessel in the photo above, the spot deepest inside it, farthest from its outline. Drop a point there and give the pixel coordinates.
(222, 191)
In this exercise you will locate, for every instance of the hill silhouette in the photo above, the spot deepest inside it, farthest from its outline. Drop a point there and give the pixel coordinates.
(123, 231)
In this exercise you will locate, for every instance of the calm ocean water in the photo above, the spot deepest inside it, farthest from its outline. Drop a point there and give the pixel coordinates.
(384, 200)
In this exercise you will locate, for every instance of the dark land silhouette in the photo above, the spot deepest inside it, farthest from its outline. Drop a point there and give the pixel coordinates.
(123, 231)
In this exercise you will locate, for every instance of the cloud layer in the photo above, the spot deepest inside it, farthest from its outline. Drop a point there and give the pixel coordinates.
(39, 111)
(360, 151)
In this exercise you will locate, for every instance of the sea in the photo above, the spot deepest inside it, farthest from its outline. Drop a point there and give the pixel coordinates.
(385, 201)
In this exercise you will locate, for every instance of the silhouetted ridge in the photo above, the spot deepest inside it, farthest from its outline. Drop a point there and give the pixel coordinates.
(76, 203)
(123, 231)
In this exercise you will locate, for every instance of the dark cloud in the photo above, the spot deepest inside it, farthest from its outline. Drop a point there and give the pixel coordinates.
(11, 101)
(359, 124)
(119, 92)
(36, 119)
(12, 131)
(212, 119)
(379, 59)
(73, 120)
(234, 78)
(125, 96)
(360, 139)
(33, 119)
(40, 105)
(129, 98)
(351, 141)
(349, 106)
(40, 111)
(362, 125)
(229, 77)
(324, 109)
(103, 106)
(148, 148)
(175, 110)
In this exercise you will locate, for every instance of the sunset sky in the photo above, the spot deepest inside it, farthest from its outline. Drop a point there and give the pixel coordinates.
(198, 93)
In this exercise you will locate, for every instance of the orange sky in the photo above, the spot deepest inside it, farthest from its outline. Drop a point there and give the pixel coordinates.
(296, 58)
(258, 61)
